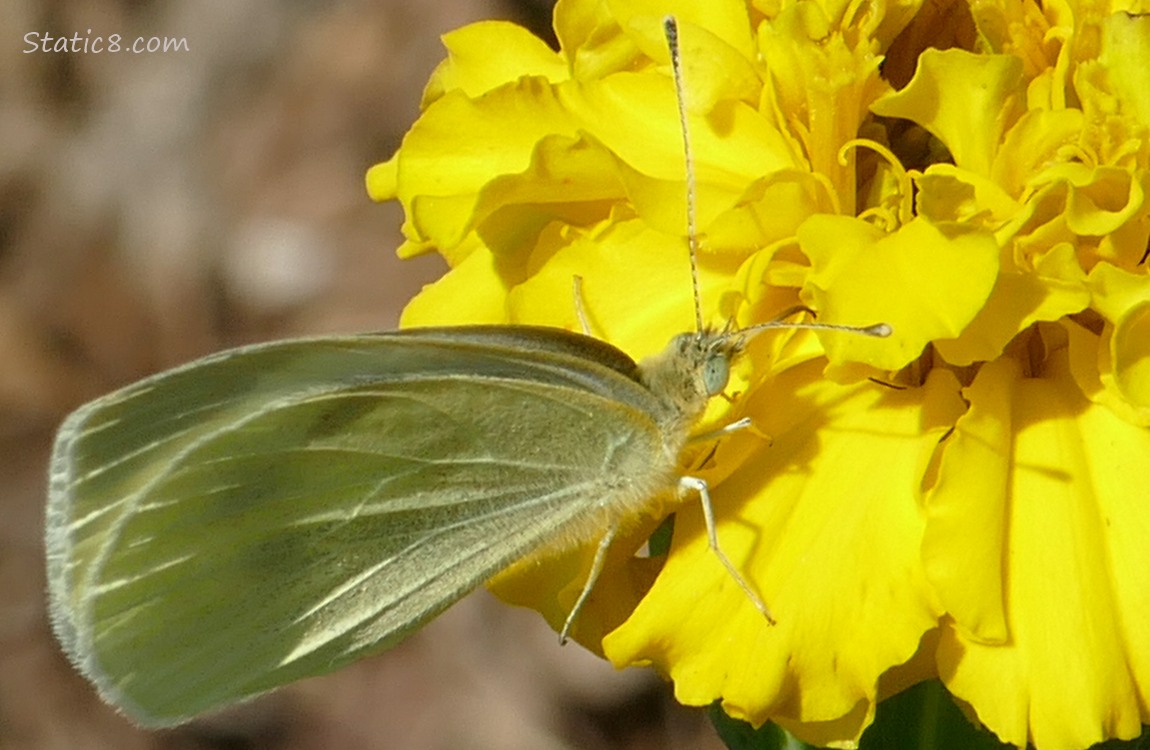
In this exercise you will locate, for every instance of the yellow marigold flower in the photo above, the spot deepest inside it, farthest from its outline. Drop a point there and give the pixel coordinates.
(977, 514)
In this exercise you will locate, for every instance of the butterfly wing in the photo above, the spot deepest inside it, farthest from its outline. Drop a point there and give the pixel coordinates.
(280, 510)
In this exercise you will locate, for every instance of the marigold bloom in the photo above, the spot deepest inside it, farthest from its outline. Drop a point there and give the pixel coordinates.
(973, 174)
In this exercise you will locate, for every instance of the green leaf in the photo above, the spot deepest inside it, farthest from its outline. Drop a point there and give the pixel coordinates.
(923, 717)
(739, 735)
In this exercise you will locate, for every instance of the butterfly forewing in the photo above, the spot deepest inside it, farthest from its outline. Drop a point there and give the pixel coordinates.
(280, 510)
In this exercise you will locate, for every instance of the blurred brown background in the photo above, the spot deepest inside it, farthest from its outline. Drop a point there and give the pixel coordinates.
(158, 207)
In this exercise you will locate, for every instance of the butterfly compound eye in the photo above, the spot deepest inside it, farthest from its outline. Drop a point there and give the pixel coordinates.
(716, 372)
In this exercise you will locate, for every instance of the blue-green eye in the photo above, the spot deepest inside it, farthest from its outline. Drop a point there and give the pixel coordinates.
(716, 373)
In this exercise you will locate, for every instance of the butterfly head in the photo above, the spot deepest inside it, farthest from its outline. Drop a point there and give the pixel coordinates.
(691, 370)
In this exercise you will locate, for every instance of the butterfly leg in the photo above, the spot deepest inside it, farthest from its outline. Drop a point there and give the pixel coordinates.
(738, 424)
(580, 312)
(596, 568)
(700, 486)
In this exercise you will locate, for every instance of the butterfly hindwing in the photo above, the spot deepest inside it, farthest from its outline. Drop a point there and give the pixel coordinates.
(280, 510)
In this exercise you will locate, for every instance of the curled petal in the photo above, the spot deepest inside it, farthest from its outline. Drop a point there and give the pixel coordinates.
(965, 100)
(1054, 288)
(925, 281)
(461, 144)
(484, 56)
(1116, 373)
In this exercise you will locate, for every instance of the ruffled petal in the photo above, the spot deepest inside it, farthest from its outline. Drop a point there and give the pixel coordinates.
(965, 100)
(1076, 589)
(926, 282)
(1056, 287)
(484, 56)
(1116, 374)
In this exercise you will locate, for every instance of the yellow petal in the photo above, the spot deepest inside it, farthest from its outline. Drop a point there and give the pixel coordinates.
(1129, 360)
(592, 40)
(575, 181)
(484, 56)
(965, 100)
(605, 38)
(1032, 31)
(821, 553)
(551, 583)
(1103, 200)
(635, 116)
(381, 180)
(1076, 574)
(925, 281)
(770, 210)
(639, 313)
(470, 293)
(726, 20)
(947, 193)
(1054, 288)
(459, 145)
(823, 80)
(963, 546)
(723, 176)
(1116, 373)
(1039, 138)
(1125, 55)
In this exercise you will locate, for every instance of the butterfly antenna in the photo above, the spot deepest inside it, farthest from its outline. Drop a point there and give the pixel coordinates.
(671, 32)
(878, 330)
